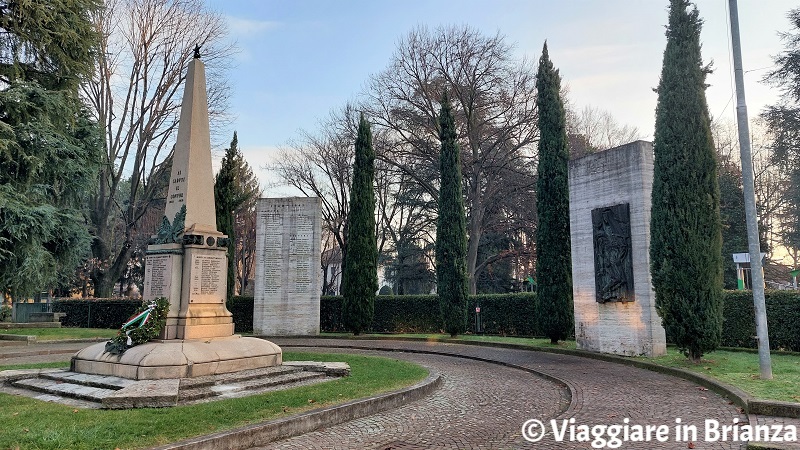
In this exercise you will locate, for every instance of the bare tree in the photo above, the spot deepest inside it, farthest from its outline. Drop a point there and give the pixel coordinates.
(770, 180)
(135, 95)
(409, 225)
(493, 97)
(245, 254)
(321, 165)
(592, 129)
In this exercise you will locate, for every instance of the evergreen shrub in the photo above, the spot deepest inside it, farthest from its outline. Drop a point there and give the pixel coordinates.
(515, 315)
(95, 312)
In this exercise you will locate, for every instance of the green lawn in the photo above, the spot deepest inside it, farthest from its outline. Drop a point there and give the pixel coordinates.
(29, 423)
(739, 369)
(56, 334)
(46, 365)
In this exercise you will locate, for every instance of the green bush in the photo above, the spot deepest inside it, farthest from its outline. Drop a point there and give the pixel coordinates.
(783, 320)
(505, 314)
(407, 314)
(330, 314)
(96, 312)
(385, 290)
(5, 313)
(242, 310)
(514, 315)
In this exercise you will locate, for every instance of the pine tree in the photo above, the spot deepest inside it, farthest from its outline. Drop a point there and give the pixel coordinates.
(783, 120)
(50, 149)
(451, 229)
(685, 243)
(234, 186)
(52, 43)
(553, 251)
(732, 219)
(360, 271)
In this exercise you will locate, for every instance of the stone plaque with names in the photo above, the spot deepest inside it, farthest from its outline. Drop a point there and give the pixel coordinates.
(206, 285)
(288, 270)
(157, 276)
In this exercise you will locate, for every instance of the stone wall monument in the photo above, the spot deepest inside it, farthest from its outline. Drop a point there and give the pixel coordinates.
(186, 262)
(288, 269)
(609, 209)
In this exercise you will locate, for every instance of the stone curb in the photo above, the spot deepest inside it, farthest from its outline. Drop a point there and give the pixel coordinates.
(74, 341)
(7, 355)
(763, 446)
(23, 353)
(9, 325)
(18, 337)
(749, 404)
(266, 432)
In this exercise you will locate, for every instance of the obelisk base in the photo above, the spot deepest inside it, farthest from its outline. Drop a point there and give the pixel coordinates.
(179, 358)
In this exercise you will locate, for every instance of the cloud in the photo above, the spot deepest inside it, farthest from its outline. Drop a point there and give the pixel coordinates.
(259, 157)
(249, 28)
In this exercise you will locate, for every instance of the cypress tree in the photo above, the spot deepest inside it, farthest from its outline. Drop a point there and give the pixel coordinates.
(360, 272)
(553, 250)
(685, 239)
(451, 229)
(234, 186)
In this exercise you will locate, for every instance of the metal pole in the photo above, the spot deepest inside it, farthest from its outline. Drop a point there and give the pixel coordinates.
(764, 360)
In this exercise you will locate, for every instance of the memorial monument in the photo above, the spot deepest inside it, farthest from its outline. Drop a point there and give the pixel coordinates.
(288, 269)
(609, 209)
(186, 262)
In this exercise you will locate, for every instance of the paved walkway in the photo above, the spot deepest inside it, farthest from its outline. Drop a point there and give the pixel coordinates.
(488, 393)
(461, 416)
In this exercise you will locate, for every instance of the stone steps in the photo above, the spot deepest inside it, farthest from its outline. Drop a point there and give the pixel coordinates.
(64, 389)
(104, 391)
(99, 381)
(235, 377)
(251, 386)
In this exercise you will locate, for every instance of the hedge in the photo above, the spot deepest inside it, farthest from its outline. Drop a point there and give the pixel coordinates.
(512, 315)
(501, 314)
(783, 320)
(95, 313)
(242, 310)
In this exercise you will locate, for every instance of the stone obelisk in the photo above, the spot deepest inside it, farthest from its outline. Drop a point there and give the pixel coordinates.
(187, 263)
(199, 311)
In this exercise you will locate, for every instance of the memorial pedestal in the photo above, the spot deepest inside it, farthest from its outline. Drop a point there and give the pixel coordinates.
(196, 274)
(179, 358)
(202, 307)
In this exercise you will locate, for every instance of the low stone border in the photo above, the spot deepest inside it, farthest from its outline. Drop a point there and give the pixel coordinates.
(264, 433)
(7, 325)
(748, 403)
(762, 446)
(18, 337)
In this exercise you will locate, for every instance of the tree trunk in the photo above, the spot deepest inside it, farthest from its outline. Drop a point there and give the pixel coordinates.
(474, 233)
(104, 280)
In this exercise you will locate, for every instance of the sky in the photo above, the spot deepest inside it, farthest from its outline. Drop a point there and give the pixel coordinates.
(300, 59)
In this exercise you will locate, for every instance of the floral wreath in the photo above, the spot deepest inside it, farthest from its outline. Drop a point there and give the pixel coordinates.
(143, 326)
